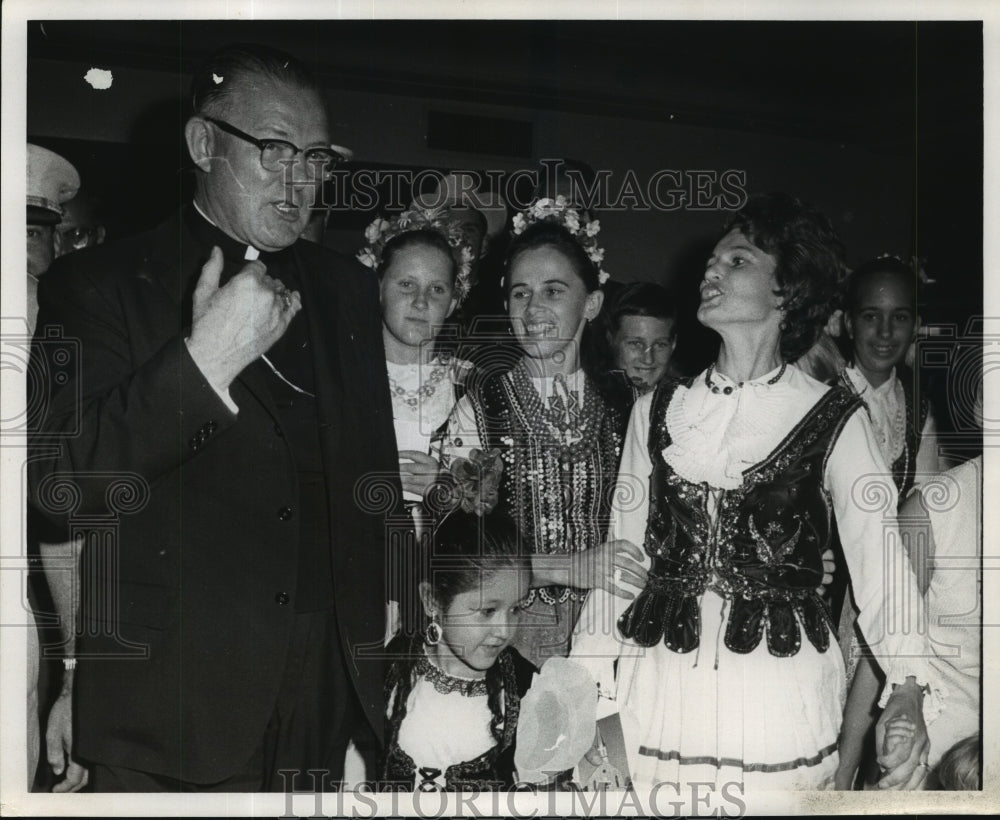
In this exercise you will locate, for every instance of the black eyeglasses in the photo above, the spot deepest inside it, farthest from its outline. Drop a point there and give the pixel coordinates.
(276, 155)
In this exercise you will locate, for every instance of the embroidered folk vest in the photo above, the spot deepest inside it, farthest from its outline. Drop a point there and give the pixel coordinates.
(561, 501)
(762, 552)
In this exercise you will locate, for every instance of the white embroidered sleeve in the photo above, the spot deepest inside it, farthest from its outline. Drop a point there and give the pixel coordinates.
(864, 501)
(597, 644)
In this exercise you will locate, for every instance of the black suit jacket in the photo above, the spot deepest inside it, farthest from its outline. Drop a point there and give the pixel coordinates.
(186, 506)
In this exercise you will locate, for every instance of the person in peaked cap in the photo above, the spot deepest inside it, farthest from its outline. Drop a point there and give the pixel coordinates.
(52, 180)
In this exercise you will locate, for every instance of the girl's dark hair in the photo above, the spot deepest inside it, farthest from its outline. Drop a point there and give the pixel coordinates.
(237, 62)
(425, 237)
(809, 263)
(549, 234)
(883, 265)
(465, 548)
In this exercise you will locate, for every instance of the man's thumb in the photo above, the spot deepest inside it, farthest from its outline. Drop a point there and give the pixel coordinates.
(208, 282)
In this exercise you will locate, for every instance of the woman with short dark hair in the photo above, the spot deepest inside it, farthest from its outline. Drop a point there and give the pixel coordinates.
(728, 671)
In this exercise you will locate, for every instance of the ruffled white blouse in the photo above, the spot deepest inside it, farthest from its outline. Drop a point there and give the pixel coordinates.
(714, 438)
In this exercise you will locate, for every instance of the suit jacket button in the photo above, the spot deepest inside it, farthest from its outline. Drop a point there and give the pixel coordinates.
(211, 427)
(282, 599)
(285, 514)
(278, 431)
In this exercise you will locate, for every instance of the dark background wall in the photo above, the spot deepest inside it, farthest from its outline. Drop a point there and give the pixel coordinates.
(879, 124)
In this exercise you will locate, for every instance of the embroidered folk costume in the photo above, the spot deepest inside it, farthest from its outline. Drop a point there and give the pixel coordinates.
(448, 733)
(724, 672)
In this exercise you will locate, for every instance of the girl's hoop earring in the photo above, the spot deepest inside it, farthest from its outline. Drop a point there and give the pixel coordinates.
(432, 634)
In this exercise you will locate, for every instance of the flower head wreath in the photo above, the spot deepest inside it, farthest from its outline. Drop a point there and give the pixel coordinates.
(559, 210)
(381, 231)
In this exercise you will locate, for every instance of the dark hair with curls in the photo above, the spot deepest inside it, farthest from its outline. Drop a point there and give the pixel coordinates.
(465, 550)
(886, 265)
(426, 238)
(809, 263)
(238, 61)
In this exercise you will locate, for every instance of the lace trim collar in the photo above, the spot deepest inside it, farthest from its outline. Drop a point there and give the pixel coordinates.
(716, 437)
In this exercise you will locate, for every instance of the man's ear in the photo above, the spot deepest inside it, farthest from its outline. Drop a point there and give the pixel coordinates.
(200, 139)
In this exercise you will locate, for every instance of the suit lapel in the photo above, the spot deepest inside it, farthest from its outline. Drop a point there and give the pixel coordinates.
(328, 327)
(175, 260)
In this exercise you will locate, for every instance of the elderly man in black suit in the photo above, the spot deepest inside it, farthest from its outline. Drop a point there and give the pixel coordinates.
(223, 398)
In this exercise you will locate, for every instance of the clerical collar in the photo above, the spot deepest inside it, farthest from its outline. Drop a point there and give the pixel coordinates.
(232, 249)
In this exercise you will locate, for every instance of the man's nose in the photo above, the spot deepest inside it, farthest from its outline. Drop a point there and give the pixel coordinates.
(300, 173)
(647, 354)
(420, 298)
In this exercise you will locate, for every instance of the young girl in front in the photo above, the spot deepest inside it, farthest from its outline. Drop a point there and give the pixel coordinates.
(454, 688)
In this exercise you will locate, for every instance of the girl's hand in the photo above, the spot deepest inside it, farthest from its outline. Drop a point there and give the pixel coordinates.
(417, 471)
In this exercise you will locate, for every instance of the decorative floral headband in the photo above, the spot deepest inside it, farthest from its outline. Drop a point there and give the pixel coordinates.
(381, 231)
(583, 228)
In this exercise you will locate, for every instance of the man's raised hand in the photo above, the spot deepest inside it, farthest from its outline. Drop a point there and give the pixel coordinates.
(234, 324)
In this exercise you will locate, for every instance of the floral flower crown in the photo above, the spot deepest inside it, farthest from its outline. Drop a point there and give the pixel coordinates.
(381, 231)
(583, 229)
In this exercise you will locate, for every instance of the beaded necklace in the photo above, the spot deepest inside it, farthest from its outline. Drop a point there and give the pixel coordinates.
(571, 426)
(445, 683)
(729, 388)
(424, 390)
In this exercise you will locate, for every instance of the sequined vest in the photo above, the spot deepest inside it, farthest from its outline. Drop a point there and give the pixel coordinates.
(560, 500)
(762, 553)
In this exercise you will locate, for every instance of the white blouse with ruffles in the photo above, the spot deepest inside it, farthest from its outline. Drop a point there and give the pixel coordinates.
(714, 438)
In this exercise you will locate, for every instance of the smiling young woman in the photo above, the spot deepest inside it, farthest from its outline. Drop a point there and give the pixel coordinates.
(559, 435)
